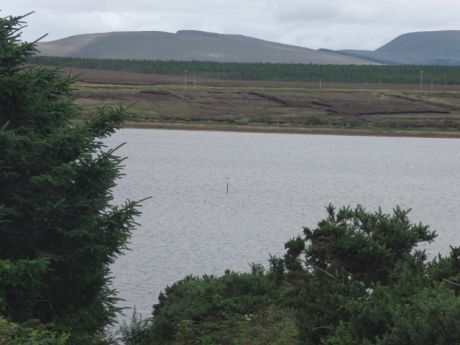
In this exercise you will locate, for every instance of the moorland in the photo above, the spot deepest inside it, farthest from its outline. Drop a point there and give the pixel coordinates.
(179, 102)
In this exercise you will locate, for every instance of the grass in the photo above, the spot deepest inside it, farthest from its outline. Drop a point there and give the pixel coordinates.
(295, 130)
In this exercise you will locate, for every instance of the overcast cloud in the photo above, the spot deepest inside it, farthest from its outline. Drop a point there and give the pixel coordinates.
(334, 24)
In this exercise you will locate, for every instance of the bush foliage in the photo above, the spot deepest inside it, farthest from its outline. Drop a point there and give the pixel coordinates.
(237, 308)
(357, 278)
(14, 334)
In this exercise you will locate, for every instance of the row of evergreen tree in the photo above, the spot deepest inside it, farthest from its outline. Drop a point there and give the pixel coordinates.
(408, 74)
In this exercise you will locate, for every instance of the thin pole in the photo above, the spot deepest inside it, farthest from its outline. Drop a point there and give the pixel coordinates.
(185, 79)
(194, 81)
(421, 80)
(320, 83)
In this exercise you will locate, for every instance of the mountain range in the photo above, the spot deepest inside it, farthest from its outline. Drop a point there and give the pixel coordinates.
(418, 48)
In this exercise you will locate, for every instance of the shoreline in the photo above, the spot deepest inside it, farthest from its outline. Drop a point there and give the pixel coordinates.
(293, 130)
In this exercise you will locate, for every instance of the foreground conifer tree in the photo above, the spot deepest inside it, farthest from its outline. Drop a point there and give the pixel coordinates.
(58, 229)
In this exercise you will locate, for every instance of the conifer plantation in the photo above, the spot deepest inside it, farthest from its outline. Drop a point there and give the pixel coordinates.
(374, 74)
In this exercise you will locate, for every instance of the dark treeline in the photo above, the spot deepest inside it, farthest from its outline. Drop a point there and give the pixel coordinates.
(446, 75)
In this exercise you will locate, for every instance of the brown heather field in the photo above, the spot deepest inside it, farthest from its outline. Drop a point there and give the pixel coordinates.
(156, 101)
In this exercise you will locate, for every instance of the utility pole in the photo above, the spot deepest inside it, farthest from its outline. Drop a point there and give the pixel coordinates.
(421, 80)
(185, 80)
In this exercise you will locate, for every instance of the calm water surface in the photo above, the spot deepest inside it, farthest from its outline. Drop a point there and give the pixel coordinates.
(278, 183)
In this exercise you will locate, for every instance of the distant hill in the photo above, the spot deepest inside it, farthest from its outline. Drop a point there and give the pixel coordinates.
(417, 48)
(186, 46)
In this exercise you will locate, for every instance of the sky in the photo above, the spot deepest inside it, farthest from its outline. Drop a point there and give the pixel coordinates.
(333, 24)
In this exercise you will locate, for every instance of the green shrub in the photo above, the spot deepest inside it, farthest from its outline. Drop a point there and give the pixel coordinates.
(358, 278)
(14, 334)
(206, 310)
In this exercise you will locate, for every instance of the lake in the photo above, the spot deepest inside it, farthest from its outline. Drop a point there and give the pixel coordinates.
(277, 184)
